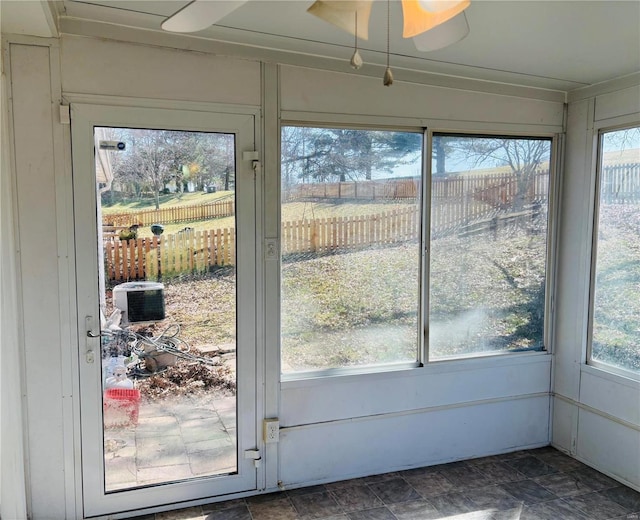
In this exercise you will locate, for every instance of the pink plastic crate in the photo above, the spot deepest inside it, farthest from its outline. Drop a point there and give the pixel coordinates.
(121, 407)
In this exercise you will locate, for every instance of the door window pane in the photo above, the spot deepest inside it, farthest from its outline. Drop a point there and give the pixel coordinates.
(616, 311)
(350, 247)
(488, 250)
(166, 244)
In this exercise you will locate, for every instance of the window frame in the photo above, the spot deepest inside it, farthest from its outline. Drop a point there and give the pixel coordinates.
(555, 166)
(410, 127)
(428, 129)
(599, 130)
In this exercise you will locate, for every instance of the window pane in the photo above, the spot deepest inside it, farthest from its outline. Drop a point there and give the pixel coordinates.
(489, 205)
(616, 314)
(350, 247)
(167, 281)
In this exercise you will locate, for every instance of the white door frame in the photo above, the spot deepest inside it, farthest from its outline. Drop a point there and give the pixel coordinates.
(244, 124)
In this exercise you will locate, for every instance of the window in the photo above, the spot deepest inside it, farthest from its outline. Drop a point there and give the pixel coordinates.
(358, 289)
(616, 279)
(350, 245)
(488, 244)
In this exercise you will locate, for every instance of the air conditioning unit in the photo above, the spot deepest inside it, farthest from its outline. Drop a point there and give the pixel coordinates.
(139, 301)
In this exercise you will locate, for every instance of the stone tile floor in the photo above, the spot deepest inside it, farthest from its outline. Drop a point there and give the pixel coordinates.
(541, 484)
(174, 439)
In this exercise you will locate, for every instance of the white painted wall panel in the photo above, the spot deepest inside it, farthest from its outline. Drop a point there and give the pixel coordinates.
(599, 420)
(13, 502)
(91, 66)
(334, 451)
(34, 159)
(610, 447)
(305, 402)
(614, 395)
(308, 90)
(565, 419)
(574, 254)
(619, 103)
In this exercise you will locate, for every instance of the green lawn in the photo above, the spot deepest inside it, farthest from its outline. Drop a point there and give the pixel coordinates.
(171, 200)
(291, 211)
(616, 325)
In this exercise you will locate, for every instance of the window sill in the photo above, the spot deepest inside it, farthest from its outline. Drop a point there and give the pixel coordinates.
(308, 379)
(611, 373)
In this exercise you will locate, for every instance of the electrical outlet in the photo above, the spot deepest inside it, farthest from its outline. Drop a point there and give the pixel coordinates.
(271, 248)
(271, 430)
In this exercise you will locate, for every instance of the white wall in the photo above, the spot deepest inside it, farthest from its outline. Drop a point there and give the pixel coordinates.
(12, 477)
(334, 428)
(596, 414)
(348, 426)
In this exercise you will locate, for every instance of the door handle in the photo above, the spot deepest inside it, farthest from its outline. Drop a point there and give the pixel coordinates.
(89, 354)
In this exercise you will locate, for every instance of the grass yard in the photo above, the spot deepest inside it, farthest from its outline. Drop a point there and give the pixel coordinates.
(291, 211)
(335, 315)
(171, 200)
(360, 308)
(616, 325)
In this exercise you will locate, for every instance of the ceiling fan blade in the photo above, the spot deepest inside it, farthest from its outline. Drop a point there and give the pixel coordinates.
(443, 35)
(199, 15)
(418, 20)
(341, 13)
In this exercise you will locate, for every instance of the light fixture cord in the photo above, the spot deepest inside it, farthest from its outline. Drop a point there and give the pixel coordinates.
(388, 29)
(387, 79)
(356, 32)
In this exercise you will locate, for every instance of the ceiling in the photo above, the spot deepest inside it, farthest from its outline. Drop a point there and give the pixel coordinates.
(550, 44)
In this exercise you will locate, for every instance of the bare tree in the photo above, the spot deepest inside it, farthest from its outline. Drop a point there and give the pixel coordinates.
(523, 156)
(339, 154)
(155, 157)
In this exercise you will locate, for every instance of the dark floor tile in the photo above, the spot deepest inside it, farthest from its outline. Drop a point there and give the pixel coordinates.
(233, 513)
(431, 485)
(541, 451)
(515, 455)
(502, 457)
(492, 497)
(382, 477)
(562, 484)
(279, 509)
(267, 497)
(219, 506)
(594, 479)
(415, 510)
(416, 472)
(597, 505)
(306, 490)
(354, 498)
(465, 477)
(316, 505)
(485, 460)
(189, 513)
(379, 513)
(393, 491)
(531, 467)
(427, 470)
(498, 472)
(508, 514)
(553, 510)
(626, 497)
(345, 483)
(528, 491)
(452, 504)
(560, 461)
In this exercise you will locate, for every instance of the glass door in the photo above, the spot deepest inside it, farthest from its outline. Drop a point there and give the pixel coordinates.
(165, 255)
